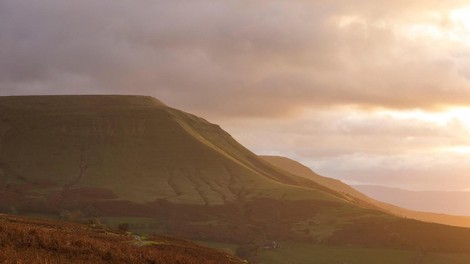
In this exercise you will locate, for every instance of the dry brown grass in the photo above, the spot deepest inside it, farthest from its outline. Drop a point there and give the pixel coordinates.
(26, 240)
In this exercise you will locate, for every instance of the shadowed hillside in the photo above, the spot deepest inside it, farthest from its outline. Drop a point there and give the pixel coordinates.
(132, 148)
(133, 159)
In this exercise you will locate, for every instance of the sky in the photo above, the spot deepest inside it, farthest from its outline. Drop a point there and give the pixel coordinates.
(369, 92)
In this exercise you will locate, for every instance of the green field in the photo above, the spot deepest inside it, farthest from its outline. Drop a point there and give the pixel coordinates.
(303, 253)
(313, 254)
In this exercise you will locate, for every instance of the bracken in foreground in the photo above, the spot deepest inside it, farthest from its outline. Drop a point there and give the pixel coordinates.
(27, 240)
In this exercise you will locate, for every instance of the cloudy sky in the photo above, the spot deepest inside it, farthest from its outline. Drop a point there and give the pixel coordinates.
(374, 92)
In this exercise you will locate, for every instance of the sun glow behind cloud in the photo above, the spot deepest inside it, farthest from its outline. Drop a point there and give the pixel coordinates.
(438, 118)
(456, 121)
(412, 142)
(452, 26)
(417, 149)
(461, 17)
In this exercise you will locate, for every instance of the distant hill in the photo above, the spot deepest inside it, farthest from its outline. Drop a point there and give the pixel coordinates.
(447, 202)
(28, 240)
(298, 168)
(388, 200)
(136, 160)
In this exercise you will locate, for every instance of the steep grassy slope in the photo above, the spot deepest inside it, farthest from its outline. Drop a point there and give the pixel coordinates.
(136, 148)
(301, 170)
(27, 240)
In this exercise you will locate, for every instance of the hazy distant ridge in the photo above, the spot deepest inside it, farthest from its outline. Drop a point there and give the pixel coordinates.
(447, 202)
(390, 205)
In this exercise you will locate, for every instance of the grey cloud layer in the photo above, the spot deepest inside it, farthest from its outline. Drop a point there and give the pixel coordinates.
(227, 57)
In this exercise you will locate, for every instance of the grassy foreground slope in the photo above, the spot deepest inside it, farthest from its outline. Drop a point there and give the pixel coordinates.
(301, 170)
(23, 240)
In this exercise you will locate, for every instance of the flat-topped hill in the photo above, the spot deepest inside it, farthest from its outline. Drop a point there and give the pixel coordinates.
(132, 148)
